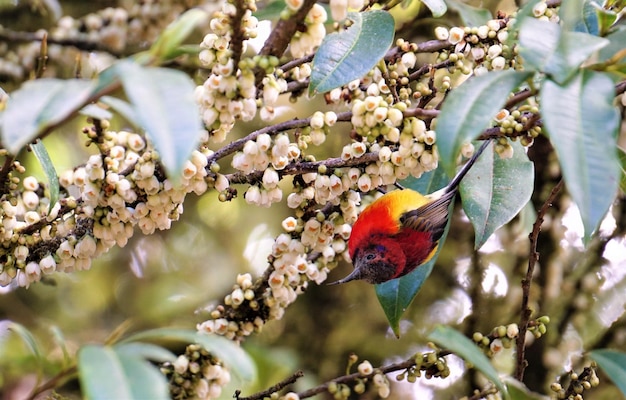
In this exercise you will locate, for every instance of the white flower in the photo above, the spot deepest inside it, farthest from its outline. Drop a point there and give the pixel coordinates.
(456, 35)
(181, 364)
(30, 183)
(365, 368)
(290, 223)
(441, 33)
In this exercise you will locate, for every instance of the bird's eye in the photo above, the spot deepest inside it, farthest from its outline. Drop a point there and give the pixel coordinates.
(370, 257)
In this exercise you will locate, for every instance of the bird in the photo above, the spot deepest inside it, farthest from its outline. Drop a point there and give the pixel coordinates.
(401, 230)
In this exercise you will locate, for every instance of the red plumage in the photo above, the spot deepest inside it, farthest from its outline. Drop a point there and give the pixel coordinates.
(401, 230)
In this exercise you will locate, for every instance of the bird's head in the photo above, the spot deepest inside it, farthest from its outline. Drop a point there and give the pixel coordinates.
(376, 262)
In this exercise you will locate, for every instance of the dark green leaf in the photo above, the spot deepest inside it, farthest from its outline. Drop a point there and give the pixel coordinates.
(613, 363)
(48, 168)
(495, 190)
(350, 54)
(230, 353)
(582, 123)
(164, 106)
(396, 295)
(436, 7)
(167, 44)
(463, 347)
(106, 374)
(39, 104)
(469, 109)
(471, 16)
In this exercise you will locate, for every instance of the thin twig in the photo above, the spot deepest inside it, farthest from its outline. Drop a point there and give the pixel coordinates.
(29, 37)
(277, 387)
(399, 366)
(271, 130)
(533, 257)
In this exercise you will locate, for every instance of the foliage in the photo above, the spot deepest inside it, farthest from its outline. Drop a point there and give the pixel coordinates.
(175, 98)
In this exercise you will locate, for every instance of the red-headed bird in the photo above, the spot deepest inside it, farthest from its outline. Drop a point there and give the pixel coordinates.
(401, 230)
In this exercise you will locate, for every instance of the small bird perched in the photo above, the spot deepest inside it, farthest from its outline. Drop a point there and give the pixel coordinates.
(401, 230)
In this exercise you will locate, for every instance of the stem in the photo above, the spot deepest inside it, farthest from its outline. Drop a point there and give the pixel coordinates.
(533, 257)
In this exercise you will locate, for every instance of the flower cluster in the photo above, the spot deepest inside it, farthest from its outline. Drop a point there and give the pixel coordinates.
(305, 42)
(104, 200)
(578, 383)
(339, 8)
(195, 374)
(229, 93)
(503, 337)
(479, 49)
(431, 364)
(119, 30)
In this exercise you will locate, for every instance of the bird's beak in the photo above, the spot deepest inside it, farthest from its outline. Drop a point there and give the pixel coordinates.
(354, 275)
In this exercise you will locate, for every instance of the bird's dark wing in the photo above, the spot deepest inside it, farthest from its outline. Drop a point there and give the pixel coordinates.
(431, 217)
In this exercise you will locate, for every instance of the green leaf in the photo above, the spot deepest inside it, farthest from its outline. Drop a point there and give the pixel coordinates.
(622, 161)
(547, 48)
(471, 16)
(613, 363)
(27, 337)
(589, 23)
(105, 373)
(436, 7)
(146, 351)
(429, 182)
(495, 190)
(164, 106)
(571, 16)
(37, 105)
(96, 112)
(48, 168)
(606, 18)
(230, 353)
(538, 41)
(396, 295)
(167, 44)
(59, 340)
(269, 10)
(519, 391)
(582, 124)
(463, 347)
(123, 108)
(616, 44)
(469, 109)
(350, 54)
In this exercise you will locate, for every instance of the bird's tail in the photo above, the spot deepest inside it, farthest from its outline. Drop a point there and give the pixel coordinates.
(454, 183)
